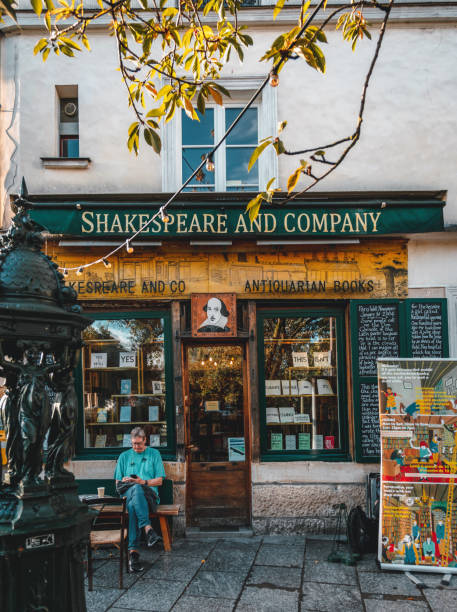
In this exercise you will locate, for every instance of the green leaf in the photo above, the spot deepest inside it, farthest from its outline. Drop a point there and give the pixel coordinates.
(67, 51)
(279, 146)
(46, 52)
(293, 179)
(41, 44)
(37, 6)
(153, 139)
(253, 207)
(201, 103)
(319, 57)
(254, 211)
(270, 183)
(222, 89)
(278, 8)
(257, 151)
(316, 33)
(70, 43)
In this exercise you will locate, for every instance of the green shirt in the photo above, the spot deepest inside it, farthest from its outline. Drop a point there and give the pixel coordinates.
(145, 465)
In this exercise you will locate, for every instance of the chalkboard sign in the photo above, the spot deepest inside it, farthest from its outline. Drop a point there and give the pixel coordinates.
(369, 419)
(426, 324)
(378, 335)
(389, 328)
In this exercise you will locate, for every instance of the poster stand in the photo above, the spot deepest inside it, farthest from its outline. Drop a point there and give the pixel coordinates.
(418, 502)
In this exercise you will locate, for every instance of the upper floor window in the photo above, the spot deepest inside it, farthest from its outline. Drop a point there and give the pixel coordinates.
(68, 121)
(231, 159)
(186, 142)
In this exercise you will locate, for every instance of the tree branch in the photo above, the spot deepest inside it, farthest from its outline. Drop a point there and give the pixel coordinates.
(357, 132)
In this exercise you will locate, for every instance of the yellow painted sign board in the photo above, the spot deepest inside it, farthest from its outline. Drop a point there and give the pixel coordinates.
(372, 269)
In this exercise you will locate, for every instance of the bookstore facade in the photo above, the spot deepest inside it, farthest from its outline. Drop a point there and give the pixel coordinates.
(246, 351)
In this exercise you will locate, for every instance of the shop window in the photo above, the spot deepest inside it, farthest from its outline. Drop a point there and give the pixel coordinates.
(230, 160)
(301, 387)
(126, 382)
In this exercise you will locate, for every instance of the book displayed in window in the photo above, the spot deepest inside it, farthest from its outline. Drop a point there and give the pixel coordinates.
(102, 415)
(286, 414)
(154, 440)
(272, 414)
(276, 441)
(100, 441)
(301, 384)
(122, 386)
(153, 413)
(289, 387)
(324, 387)
(98, 360)
(126, 386)
(125, 414)
(291, 442)
(272, 387)
(126, 441)
(127, 360)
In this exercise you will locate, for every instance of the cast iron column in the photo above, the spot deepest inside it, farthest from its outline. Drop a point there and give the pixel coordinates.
(43, 526)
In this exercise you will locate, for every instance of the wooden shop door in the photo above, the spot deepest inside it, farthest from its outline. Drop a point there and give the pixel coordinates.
(217, 448)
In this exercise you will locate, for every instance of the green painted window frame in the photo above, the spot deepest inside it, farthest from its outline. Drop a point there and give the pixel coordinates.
(169, 452)
(340, 454)
(404, 317)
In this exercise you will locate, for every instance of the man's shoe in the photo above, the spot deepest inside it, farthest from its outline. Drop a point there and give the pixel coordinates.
(152, 538)
(134, 562)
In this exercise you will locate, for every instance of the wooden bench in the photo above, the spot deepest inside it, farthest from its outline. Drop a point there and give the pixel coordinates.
(163, 512)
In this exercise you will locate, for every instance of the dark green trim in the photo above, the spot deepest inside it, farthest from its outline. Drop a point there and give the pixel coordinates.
(340, 454)
(230, 220)
(404, 318)
(168, 453)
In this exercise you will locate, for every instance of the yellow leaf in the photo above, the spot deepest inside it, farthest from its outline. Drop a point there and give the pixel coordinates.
(293, 179)
(216, 95)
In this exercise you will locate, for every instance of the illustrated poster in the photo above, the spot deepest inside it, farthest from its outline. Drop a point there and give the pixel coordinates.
(418, 423)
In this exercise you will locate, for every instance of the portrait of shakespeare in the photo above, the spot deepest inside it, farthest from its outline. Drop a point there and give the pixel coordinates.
(216, 316)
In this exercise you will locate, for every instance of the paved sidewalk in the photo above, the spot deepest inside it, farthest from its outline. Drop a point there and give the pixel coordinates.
(261, 574)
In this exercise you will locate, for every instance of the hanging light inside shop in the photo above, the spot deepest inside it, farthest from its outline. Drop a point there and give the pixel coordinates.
(215, 363)
(210, 163)
(128, 247)
(274, 78)
(79, 271)
(203, 363)
(210, 358)
(106, 263)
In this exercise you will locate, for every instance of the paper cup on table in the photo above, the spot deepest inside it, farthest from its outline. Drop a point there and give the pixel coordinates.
(101, 491)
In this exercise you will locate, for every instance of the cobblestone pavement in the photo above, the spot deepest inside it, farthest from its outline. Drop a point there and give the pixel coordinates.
(260, 574)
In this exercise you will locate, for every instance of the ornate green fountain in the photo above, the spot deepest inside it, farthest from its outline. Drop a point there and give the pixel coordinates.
(43, 525)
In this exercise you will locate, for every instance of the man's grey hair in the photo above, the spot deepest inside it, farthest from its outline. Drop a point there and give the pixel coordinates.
(137, 432)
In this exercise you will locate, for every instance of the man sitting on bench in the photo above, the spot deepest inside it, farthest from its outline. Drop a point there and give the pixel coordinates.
(139, 471)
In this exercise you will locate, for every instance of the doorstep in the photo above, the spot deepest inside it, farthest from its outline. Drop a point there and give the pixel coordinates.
(198, 533)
